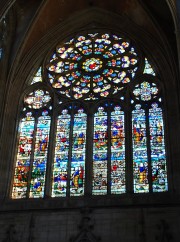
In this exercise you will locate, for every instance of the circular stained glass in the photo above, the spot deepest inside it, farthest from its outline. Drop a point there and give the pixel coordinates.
(145, 91)
(92, 65)
(37, 99)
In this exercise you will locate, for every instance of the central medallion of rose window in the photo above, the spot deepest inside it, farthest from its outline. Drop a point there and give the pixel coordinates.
(92, 64)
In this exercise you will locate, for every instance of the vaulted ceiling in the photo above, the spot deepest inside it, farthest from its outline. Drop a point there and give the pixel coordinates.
(34, 18)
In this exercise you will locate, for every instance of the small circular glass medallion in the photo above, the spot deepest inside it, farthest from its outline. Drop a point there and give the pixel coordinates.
(93, 64)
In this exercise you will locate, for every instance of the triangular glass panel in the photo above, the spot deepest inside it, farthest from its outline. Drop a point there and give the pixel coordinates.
(148, 68)
(37, 77)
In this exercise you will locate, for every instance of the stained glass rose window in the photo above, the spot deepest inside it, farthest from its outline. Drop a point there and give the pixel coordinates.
(92, 65)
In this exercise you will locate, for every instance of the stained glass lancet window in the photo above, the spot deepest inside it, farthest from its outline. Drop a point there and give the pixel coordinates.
(61, 154)
(100, 149)
(34, 128)
(69, 162)
(140, 159)
(26, 134)
(78, 153)
(109, 150)
(103, 122)
(157, 144)
(149, 162)
(40, 155)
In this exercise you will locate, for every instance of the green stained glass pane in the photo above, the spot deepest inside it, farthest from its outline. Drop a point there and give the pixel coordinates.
(26, 131)
(140, 159)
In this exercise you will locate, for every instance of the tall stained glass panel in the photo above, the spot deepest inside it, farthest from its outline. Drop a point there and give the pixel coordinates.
(21, 174)
(40, 156)
(100, 142)
(140, 158)
(59, 185)
(78, 154)
(117, 151)
(158, 156)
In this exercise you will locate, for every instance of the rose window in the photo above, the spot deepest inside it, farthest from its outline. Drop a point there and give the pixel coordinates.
(92, 66)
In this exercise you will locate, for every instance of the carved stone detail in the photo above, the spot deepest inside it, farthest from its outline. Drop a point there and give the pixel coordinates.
(86, 226)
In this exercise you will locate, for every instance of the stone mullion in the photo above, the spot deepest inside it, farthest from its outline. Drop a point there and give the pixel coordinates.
(89, 155)
(50, 156)
(148, 150)
(109, 152)
(128, 145)
(70, 154)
